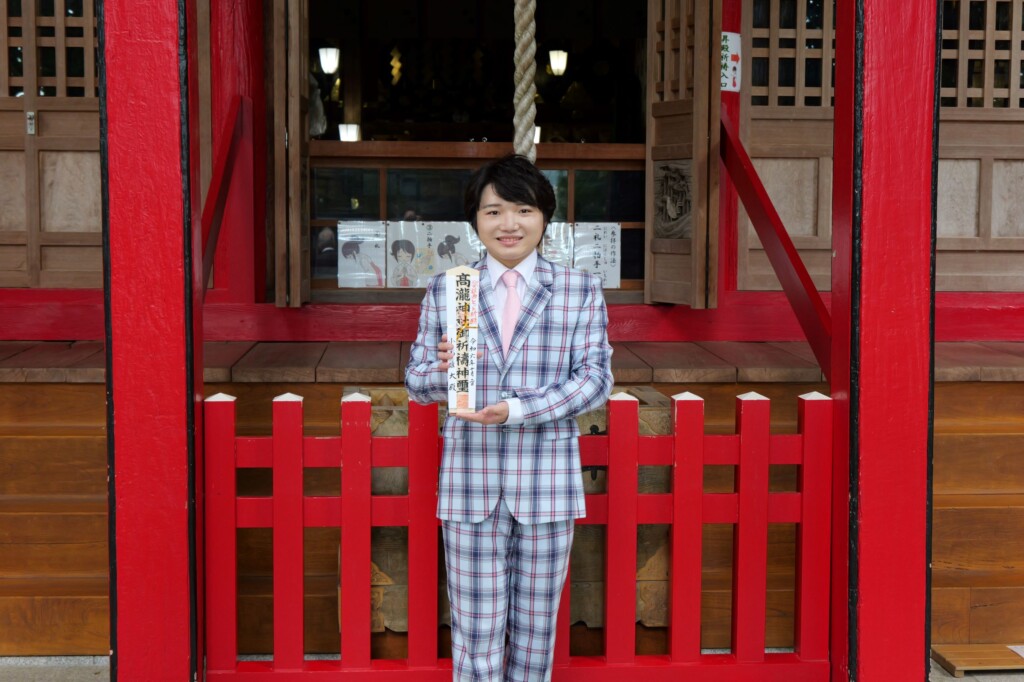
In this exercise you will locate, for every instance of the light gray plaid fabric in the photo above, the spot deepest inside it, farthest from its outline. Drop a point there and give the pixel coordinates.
(559, 366)
(501, 571)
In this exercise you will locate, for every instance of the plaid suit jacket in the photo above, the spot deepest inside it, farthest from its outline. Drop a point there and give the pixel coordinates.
(558, 365)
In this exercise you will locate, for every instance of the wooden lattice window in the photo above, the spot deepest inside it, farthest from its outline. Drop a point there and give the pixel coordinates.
(982, 43)
(48, 46)
(793, 43)
(50, 180)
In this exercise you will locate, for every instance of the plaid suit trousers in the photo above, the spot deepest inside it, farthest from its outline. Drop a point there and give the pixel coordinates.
(502, 571)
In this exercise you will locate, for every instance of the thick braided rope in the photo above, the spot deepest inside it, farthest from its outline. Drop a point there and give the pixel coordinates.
(526, 72)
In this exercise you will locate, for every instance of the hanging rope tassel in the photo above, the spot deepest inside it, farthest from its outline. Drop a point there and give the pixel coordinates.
(526, 72)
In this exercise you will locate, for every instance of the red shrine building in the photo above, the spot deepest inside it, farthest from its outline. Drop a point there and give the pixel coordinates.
(215, 218)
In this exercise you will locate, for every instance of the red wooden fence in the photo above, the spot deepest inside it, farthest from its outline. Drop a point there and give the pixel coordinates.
(750, 508)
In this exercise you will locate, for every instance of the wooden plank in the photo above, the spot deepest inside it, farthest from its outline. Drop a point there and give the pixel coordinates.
(976, 541)
(361, 362)
(91, 369)
(950, 616)
(682, 363)
(627, 368)
(47, 362)
(74, 623)
(10, 348)
(763, 362)
(54, 537)
(958, 659)
(220, 356)
(649, 396)
(976, 362)
(997, 614)
(978, 463)
(54, 465)
(279, 362)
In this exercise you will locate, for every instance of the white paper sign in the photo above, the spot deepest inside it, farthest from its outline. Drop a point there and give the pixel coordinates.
(731, 62)
(598, 250)
(462, 299)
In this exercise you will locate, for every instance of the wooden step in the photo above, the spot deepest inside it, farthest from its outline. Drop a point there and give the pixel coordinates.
(958, 659)
(53, 617)
(53, 536)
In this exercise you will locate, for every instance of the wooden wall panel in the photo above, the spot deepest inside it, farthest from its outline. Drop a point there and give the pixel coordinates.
(787, 115)
(12, 189)
(70, 191)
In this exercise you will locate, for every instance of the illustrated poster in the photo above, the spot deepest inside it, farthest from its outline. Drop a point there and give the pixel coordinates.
(598, 250)
(462, 299)
(451, 243)
(361, 261)
(411, 260)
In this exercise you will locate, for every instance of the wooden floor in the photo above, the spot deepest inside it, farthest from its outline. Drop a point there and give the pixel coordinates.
(53, 523)
(384, 362)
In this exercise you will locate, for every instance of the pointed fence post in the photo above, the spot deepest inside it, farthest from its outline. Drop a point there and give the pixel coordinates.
(355, 531)
(424, 459)
(621, 536)
(687, 528)
(288, 534)
(750, 556)
(812, 569)
(221, 534)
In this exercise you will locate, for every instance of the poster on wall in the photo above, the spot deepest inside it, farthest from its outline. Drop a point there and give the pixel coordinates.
(454, 243)
(598, 250)
(361, 262)
(410, 258)
(557, 243)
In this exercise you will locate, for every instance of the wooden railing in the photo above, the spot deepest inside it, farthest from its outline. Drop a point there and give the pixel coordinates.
(796, 282)
(750, 509)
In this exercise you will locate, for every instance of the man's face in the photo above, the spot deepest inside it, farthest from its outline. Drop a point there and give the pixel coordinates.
(510, 232)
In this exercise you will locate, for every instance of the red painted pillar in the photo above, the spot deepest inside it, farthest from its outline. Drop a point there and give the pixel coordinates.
(881, 310)
(151, 221)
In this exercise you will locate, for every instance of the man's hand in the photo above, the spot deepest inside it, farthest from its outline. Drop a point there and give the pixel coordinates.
(492, 414)
(444, 353)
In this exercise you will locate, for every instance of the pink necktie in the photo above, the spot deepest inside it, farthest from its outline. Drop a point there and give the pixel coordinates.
(510, 315)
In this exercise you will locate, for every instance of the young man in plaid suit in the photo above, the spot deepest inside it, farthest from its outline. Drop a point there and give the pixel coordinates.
(510, 481)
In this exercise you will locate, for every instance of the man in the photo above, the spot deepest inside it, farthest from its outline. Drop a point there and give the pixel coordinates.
(510, 482)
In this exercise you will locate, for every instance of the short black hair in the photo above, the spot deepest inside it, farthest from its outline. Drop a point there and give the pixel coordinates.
(514, 179)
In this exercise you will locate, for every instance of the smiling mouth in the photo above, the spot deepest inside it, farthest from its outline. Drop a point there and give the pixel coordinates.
(509, 241)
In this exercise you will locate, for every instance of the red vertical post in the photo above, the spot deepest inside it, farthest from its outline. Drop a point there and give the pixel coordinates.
(728, 230)
(891, 335)
(289, 588)
(154, 328)
(221, 534)
(750, 556)
(424, 458)
(840, 377)
(812, 568)
(687, 528)
(355, 531)
(621, 535)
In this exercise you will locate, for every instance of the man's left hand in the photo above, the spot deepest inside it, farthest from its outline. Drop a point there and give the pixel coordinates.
(492, 414)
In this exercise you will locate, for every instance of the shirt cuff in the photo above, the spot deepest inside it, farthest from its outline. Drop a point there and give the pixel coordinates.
(515, 412)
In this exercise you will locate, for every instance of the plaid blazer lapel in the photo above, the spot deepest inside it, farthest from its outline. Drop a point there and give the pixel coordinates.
(488, 324)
